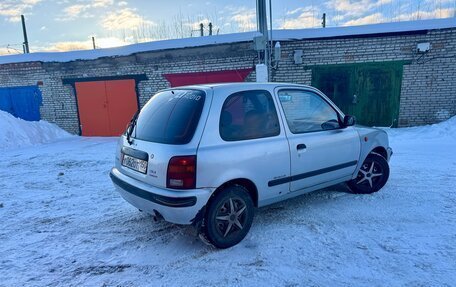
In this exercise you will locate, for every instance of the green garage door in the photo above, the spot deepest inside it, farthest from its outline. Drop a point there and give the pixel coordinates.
(369, 91)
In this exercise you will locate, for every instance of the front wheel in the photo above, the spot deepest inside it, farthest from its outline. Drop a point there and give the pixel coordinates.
(372, 176)
(229, 217)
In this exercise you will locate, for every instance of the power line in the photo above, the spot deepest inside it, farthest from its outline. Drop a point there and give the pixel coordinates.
(11, 44)
(10, 47)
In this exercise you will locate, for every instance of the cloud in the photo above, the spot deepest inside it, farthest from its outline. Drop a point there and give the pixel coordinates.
(355, 7)
(4, 51)
(293, 12)
(12, 9)
(304, 17)
(83, 9)
(122, 3)
(440, 2)
(369, 19)
(74, 11)
(243, 17)
(124, 19)
(102, 3)
(103, 42)
(67, 46)
(11, 50)
(359, 12)
(420, 15)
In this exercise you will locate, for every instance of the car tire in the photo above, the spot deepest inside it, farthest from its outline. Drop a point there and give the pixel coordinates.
(372, 176)
(229, 217)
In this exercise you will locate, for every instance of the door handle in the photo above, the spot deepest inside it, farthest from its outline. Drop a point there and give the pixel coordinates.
(301, 146)
(355, 99)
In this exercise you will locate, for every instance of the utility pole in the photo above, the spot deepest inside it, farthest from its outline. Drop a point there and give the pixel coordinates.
(454, 9)
(270, 34)
(210, 28)
(24, 30)
(323, 23)
(202, 29)
(93, 43)
(262, 27)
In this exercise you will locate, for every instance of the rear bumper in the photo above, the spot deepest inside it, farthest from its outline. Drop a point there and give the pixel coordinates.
(179, 207)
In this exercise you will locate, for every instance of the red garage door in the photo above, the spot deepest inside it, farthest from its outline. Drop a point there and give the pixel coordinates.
(106, 107)
(227, 76)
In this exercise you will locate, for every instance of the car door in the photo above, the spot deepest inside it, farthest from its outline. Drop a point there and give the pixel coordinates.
(321, 150)
(245, 139)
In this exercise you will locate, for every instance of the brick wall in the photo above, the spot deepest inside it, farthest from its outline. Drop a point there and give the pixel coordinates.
(59, 101)
(428, 87)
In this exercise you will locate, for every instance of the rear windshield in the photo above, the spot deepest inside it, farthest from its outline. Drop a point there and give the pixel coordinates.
(170, 117)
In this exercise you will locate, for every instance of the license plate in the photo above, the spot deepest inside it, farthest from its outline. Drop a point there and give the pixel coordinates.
(135, 163)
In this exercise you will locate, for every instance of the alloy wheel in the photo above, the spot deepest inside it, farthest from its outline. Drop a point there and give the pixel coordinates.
(370, 173)
(230, 216)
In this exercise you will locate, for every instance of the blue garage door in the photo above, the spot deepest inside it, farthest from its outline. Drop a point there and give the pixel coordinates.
(21, 102)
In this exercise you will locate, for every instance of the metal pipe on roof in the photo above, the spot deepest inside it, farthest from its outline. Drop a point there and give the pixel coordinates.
(24, 30)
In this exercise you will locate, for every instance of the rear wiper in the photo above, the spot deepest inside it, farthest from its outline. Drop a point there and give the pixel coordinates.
(131, 127)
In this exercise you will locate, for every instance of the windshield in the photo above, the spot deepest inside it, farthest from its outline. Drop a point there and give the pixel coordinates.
(170, 117)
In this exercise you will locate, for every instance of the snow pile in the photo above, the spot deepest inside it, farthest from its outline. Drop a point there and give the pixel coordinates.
(129, 49)
(446, 129)
(15, 132)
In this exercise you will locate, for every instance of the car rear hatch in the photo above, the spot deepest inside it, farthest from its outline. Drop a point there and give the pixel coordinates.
(162, 146)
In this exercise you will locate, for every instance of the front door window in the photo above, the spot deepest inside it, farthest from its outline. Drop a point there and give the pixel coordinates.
(306, 111)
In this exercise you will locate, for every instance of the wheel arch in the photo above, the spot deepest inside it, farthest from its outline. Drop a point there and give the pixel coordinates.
(244, 182)
(377, 149)
(381, 151)
(369, 173)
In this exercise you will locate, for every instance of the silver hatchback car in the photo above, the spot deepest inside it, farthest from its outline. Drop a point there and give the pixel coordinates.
(208, 155)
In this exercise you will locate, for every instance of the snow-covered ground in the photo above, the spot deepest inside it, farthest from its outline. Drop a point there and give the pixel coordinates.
(62, 224)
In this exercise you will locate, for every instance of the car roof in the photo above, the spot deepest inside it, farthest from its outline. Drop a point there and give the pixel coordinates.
(240, 85)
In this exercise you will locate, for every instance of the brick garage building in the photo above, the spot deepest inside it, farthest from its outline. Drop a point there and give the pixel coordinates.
(373, 71)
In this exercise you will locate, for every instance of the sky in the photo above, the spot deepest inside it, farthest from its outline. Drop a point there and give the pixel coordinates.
(62, 25)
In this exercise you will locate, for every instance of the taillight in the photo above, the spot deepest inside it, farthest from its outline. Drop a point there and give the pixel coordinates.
(181, 172)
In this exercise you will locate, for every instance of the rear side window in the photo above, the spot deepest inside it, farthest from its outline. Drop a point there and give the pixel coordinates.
(170, 117)
(248, 115)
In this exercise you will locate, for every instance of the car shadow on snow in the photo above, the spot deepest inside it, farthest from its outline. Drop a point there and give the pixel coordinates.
(283, 210)
(138, 227)
(141, 228)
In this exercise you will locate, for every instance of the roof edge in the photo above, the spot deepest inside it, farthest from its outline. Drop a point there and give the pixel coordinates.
(371, 30)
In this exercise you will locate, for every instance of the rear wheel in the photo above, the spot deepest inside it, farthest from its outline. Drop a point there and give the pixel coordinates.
(229, 217)
(372, 175)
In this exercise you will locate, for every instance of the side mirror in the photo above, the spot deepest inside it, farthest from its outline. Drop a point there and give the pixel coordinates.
(349, 121)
